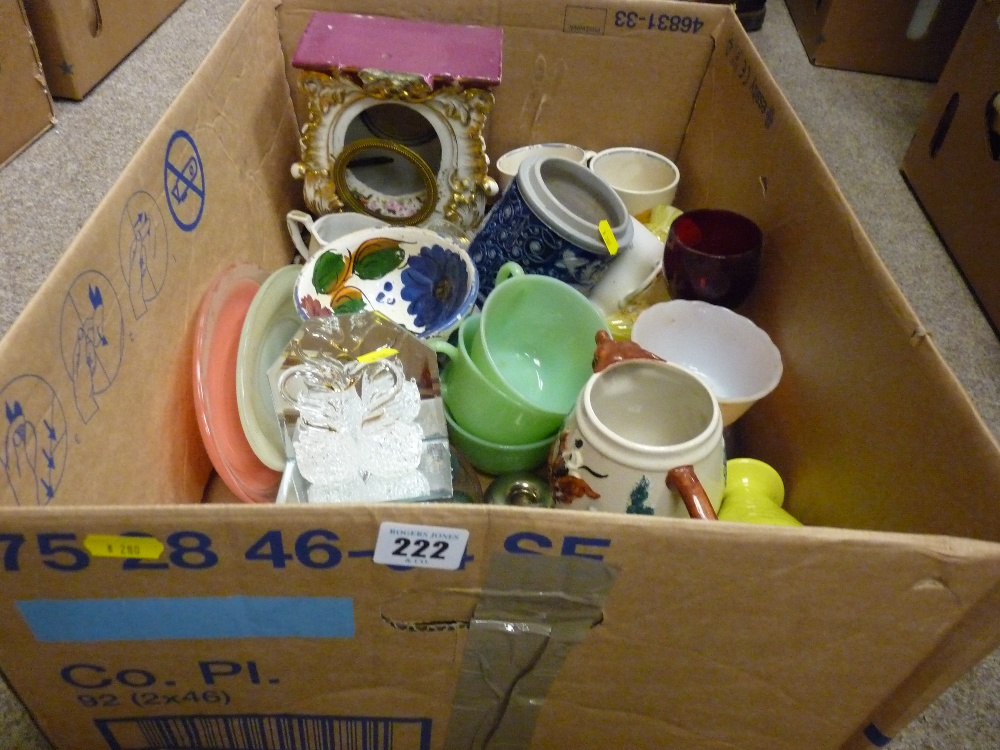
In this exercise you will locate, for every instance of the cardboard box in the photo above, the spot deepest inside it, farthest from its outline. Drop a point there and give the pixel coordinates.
(952, 162)
(81, 42)
(234, 626)
(910, 39)
(24, 96)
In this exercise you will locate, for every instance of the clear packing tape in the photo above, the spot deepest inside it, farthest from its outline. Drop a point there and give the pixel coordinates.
(533, 610)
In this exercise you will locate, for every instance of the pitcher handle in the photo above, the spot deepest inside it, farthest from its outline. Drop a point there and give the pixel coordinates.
(293, 219)
(685, 482)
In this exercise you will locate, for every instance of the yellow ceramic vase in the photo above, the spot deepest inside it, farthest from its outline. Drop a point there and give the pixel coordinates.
(754, 494)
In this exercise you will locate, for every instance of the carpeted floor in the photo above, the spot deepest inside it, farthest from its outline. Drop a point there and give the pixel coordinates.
(860, 123)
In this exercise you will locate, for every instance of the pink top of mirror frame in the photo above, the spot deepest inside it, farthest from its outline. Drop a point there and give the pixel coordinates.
(434, 51)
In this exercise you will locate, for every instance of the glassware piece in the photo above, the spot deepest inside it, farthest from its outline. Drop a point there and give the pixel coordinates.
(359, 401)
(712, 255)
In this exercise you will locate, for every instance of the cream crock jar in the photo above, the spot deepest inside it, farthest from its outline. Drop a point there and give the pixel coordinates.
(645, 437)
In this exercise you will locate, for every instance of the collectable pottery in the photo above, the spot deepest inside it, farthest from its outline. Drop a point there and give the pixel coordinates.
(631, 270)
(735, 357)
(642, 178)
(610, 351)
(536, 339)
(270, 323)
(396, 111)
(712, 255)
(415, 277)
(218, 326)
(549, 222)
(326, 229)
(645, 438)
(510, 162)
(483, 408)
(497, 458)
(754, 494)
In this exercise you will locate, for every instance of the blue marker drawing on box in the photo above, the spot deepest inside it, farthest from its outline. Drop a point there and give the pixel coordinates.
(142, 248)
(35, 446)
(184, 180)
(92, 338)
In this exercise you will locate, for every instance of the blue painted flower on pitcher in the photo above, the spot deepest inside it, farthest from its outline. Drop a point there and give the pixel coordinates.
(436, 284)
(413, 276)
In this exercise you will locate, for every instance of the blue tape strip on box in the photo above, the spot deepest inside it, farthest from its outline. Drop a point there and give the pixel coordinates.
(175, 618)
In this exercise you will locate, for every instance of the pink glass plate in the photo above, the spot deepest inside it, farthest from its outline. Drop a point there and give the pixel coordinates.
(216, 346)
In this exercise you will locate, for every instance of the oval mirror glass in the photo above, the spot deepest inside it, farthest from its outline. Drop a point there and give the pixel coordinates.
(389, 164)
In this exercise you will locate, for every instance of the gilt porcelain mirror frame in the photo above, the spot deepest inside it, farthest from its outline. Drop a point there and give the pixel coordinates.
(406, 147)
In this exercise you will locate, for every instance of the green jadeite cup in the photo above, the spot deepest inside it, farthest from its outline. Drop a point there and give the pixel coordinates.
(496, 458)
(481, 407)
(536, 339)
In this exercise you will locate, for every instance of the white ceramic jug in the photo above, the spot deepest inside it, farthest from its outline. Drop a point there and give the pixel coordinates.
(646, 438)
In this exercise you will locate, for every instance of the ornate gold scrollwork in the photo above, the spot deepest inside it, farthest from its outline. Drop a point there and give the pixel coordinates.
(460, 187)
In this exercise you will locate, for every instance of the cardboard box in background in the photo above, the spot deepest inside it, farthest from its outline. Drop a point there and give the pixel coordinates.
(953, 162)
(24, 97)
(81, 41)
(235, 626)
(906, 38)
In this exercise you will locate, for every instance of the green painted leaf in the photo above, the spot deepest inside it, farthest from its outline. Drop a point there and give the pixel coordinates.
(329, 272)
(349, 306)
(375, 262)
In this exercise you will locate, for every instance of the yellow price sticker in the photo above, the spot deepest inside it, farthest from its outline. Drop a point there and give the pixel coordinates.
(380, 353)
(610, 241)
(109, 545)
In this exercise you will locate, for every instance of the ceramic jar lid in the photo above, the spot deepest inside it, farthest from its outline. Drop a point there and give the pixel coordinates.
(571, 200)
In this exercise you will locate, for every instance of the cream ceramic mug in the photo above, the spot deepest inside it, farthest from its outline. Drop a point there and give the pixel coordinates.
(645, 438)
(642, 178)
(510, 162)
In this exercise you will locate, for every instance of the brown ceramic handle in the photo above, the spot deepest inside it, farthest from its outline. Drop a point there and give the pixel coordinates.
(685, 482)
(609, 351)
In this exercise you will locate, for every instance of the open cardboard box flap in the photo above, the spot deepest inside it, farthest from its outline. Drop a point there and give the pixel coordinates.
(708, 635)
(25, 95)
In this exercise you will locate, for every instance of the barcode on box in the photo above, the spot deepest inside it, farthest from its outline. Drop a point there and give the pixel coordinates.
(266, 732)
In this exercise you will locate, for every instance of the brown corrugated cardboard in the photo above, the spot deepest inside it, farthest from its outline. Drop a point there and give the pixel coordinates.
(24, 96)
(953, 162)
(81, 41)
(750, 12)
(253, 626)
(911, 39)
